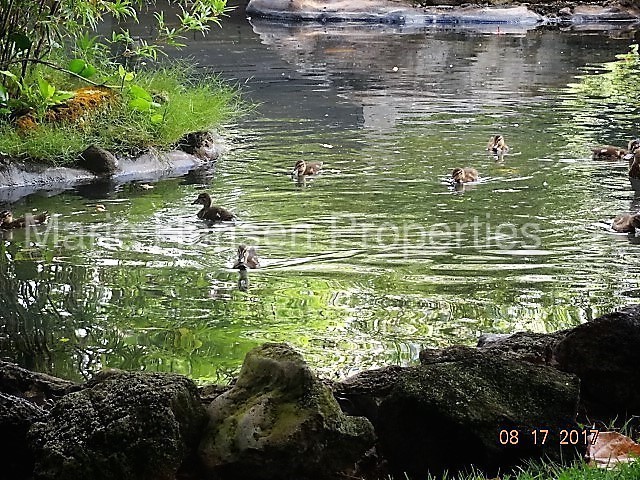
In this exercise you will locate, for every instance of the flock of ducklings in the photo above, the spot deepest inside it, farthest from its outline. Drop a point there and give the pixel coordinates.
(624, 223)
(496, 146)
(247, 257)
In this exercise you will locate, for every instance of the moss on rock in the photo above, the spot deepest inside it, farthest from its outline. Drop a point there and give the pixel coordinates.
(280, 421)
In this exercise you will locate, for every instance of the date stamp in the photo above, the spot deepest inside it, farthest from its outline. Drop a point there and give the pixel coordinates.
(540, 436)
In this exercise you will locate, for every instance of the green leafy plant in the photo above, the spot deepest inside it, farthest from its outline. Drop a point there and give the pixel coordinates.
(31, 29)
(30, 97)
(82, 68)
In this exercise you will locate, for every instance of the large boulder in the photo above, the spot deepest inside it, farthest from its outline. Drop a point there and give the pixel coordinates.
(603, 353)
(461, 407)
(16, 417)
(279, 421)
(123, 425)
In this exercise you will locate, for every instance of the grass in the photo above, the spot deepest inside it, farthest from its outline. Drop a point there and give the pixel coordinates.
(190, 104)
(551, 471)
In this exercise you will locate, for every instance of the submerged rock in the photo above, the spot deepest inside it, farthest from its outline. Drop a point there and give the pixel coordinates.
(460, 408)
(280, 422)
(122, 426)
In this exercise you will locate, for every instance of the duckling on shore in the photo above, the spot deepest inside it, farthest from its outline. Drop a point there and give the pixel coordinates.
(7, 222)
(212, 213)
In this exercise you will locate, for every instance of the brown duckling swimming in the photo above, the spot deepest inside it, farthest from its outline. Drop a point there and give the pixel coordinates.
(464, 175)
(613, 153)
(7, 221)
(608, 152)
(247, 258)
(626, 223)
(212, 213)
(497, 145)
(303, 168)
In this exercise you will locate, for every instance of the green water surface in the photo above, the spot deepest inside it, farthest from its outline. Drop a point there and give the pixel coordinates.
(378, 256)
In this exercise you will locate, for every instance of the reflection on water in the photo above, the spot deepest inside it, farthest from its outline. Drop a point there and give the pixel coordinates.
(377, 256)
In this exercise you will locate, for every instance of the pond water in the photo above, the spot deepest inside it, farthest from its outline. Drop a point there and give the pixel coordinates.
(375, 258)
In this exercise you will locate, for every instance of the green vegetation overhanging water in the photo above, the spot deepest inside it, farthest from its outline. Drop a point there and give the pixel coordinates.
(375, 258)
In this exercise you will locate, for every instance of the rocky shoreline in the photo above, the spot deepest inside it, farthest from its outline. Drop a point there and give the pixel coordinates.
(459, 407)
(414, 13)
(198, 150)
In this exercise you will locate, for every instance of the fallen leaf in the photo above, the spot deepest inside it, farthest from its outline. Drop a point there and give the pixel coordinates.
(612, 448)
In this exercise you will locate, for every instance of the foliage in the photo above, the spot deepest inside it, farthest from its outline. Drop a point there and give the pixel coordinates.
(134, 123)
(552, 471)
(33, 29)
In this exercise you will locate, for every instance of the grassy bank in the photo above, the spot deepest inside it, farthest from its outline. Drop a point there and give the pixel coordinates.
(183, 103)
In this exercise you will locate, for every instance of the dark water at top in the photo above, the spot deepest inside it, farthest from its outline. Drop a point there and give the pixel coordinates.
(377, 257)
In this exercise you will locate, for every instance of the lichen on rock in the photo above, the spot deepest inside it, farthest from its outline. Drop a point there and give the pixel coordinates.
(280, 421)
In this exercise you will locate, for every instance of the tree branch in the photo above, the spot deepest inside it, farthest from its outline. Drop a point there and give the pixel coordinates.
(64, 70)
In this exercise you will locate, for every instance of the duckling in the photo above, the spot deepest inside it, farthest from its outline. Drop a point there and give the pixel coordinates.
(8, 222)
(464, 175)
(626, 223)
(303, 168)
(610, 152)
(247, 258)
(634, 147)
(497, 145)
(213, 214)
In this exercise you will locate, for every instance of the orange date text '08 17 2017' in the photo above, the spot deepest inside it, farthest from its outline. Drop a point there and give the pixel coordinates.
(539, 436)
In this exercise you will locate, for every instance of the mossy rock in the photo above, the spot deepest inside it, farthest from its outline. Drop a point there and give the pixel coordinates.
(279, 421)
(129, 426)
